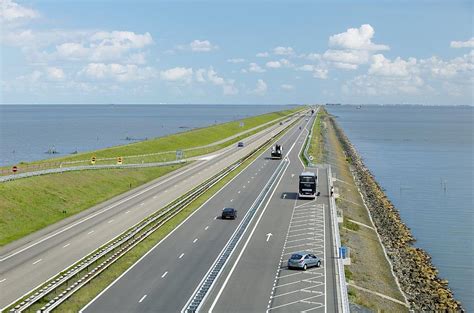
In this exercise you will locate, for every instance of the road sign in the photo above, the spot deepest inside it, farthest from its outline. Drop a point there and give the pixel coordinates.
(93, 160)
(14, 169)
(119, 160)
(179, 154)
(343, 252)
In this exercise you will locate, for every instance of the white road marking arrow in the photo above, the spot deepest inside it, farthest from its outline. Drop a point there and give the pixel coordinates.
(292, 175)
(268, 236)
(284, 196)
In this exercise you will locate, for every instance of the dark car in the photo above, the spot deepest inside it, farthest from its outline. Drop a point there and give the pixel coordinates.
(229, 213)
(240, 144)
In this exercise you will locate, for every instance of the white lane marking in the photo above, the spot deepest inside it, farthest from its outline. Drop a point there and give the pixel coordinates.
(143, 203)
(127, 212)
(244, 186)
(1, 281)
(90, 232)
(231, 200)
(248, 182)
(268, 236)
(168, 235)
(37, 261)
(142, 298)
(110, 221)
(99, 212)
(248, 238)
(195, 239)
(182, 254)
(154, 197)
(238, 191)
(206, 228)
(164, 274)
(66, 245)
(215, 217)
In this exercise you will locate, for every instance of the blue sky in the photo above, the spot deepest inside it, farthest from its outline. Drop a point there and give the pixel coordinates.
(250, 52)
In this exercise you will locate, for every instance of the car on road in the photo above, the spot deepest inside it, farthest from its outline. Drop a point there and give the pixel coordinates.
(229, 213)
(240, 144)
(303, 260)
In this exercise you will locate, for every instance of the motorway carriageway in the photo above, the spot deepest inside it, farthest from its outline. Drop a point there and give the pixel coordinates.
(34, 259)
(255, 279)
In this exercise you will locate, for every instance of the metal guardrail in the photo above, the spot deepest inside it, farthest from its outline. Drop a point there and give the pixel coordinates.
(86, 167)
(342, 290)
(207, 283)
(74, 278)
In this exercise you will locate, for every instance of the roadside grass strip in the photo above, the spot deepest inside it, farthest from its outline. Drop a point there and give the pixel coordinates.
(70, 290)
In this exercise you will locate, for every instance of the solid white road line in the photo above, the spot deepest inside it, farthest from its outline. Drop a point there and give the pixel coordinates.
(164, 274)
(37, 261)
(142, 298)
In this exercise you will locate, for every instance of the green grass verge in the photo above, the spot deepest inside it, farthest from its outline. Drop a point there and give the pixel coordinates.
(87, 293)
(29, 204)
(317, 140)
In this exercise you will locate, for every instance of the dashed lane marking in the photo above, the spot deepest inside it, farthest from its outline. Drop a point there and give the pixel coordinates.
(66, 245)
(90, 232)
(37, 261)
(164, 274)
(195, 239)
(206, 228)
(181, 255)
(141, 299)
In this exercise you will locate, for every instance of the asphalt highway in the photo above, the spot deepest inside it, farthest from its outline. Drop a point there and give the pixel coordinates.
(254, 279)
(34, 259)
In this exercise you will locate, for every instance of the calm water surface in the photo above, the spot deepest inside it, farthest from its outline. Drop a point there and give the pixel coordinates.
(27, 132)
(423, 157)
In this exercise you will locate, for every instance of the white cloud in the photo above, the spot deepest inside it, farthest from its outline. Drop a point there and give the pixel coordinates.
(398, 67)
(262, 55)
(306, 68)
(261, 88)
(117, 72)
(287, 87)
(345, 66)
(356, 39)
(450, 69)
(11, 12)
(55, 73)
(202, 46)
(255, 68)
(236, 60)
(320, 73)
(211, 76)
(273, 64)
(283, 51)
(388, 85)
(177, 74)
(355, 57)
(463, 44)
(313, 56)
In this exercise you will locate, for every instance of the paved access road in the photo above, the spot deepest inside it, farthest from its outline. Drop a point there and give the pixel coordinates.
(34, 259)
(166, 278)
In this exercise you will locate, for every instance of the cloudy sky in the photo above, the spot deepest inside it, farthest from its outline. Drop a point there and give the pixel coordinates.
(251, 52)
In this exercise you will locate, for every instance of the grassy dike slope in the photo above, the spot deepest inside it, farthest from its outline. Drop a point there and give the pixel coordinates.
(30, 204)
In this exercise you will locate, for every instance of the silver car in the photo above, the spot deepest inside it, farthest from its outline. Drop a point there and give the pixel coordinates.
(303, 260)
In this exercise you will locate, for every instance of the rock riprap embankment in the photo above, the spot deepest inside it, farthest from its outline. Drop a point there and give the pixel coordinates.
(417, 276)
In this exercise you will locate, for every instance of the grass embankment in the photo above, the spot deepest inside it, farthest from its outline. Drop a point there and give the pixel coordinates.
(87, 293)
(369, 268)
(30, 204)
(317, 140)
(163, 148)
